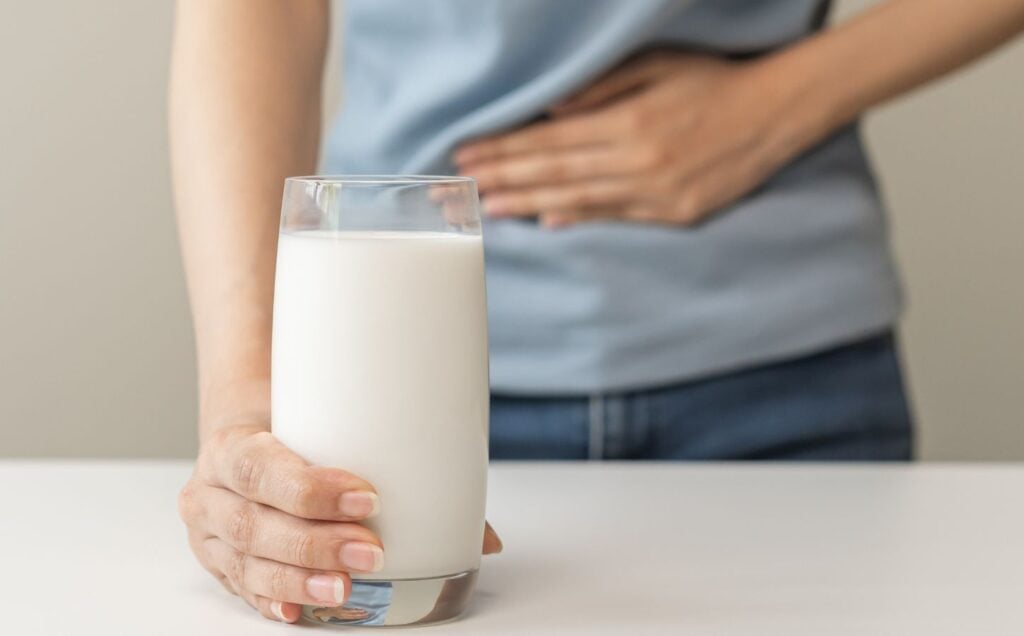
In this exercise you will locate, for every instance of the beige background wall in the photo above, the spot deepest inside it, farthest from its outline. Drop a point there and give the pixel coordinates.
(95, 346)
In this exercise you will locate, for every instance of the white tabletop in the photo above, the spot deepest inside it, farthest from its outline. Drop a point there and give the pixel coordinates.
(96, 548)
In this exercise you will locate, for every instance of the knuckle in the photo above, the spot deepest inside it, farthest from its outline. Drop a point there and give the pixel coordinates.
(248, 473)
(596, 197)
(654, 156)
(278, 581)
(303, 550)
(305, 496)
(634, 120)
(236, 569)
(638, 118)
(588, 166)
(575, 199)
(554, 171)
(242, 526)
(187, 502)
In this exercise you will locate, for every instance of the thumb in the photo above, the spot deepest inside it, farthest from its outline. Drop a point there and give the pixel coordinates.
(626, 78)
(492, 544)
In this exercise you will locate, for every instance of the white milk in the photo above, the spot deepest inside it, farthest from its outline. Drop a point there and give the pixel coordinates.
(380, 368)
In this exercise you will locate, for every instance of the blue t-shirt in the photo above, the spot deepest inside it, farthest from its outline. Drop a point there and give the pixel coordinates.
(800, 265)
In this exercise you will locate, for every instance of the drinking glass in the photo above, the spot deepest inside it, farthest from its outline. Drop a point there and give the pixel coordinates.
(380, 368)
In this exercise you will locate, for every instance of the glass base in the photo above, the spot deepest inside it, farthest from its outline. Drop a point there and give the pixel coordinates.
(399, 602)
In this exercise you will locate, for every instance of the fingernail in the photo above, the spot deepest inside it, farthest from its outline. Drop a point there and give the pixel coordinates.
(359, 504)
(275, 607)
(365, 557)
(329, 590)
(495, 205)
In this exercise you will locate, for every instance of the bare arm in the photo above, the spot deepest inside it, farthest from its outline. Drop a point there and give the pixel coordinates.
(674, 137)
(244, 114)
(891, 49)
(244, 111)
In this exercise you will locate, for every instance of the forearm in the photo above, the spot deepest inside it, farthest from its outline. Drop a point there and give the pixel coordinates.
(244, 114)
(834, 77)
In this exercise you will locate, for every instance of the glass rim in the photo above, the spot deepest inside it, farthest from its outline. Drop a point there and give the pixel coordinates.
(380, 179)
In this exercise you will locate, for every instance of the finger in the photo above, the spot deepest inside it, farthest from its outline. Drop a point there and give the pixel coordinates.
(628, 77)
(578, 130)
(274, 610)
(544, 168)
(638, 212)
(277, 610)
(558, 220)
(571, 196)
(196, 543)
(278, 581)
(492, 542)
(266, 532)
(254, 464)
(226, 584)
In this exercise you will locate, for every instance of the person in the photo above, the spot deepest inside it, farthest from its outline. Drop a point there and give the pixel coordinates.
(686, 249)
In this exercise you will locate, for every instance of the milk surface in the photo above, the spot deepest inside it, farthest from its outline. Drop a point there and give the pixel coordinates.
(380, 368)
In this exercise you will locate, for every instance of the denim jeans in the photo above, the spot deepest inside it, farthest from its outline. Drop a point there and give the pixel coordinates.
(847, 403)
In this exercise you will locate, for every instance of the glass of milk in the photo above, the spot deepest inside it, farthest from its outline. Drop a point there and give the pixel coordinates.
(380, 368)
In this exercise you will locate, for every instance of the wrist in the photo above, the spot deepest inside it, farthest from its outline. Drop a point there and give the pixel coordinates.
(234, 379)
(234, 401)
(803, 105)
